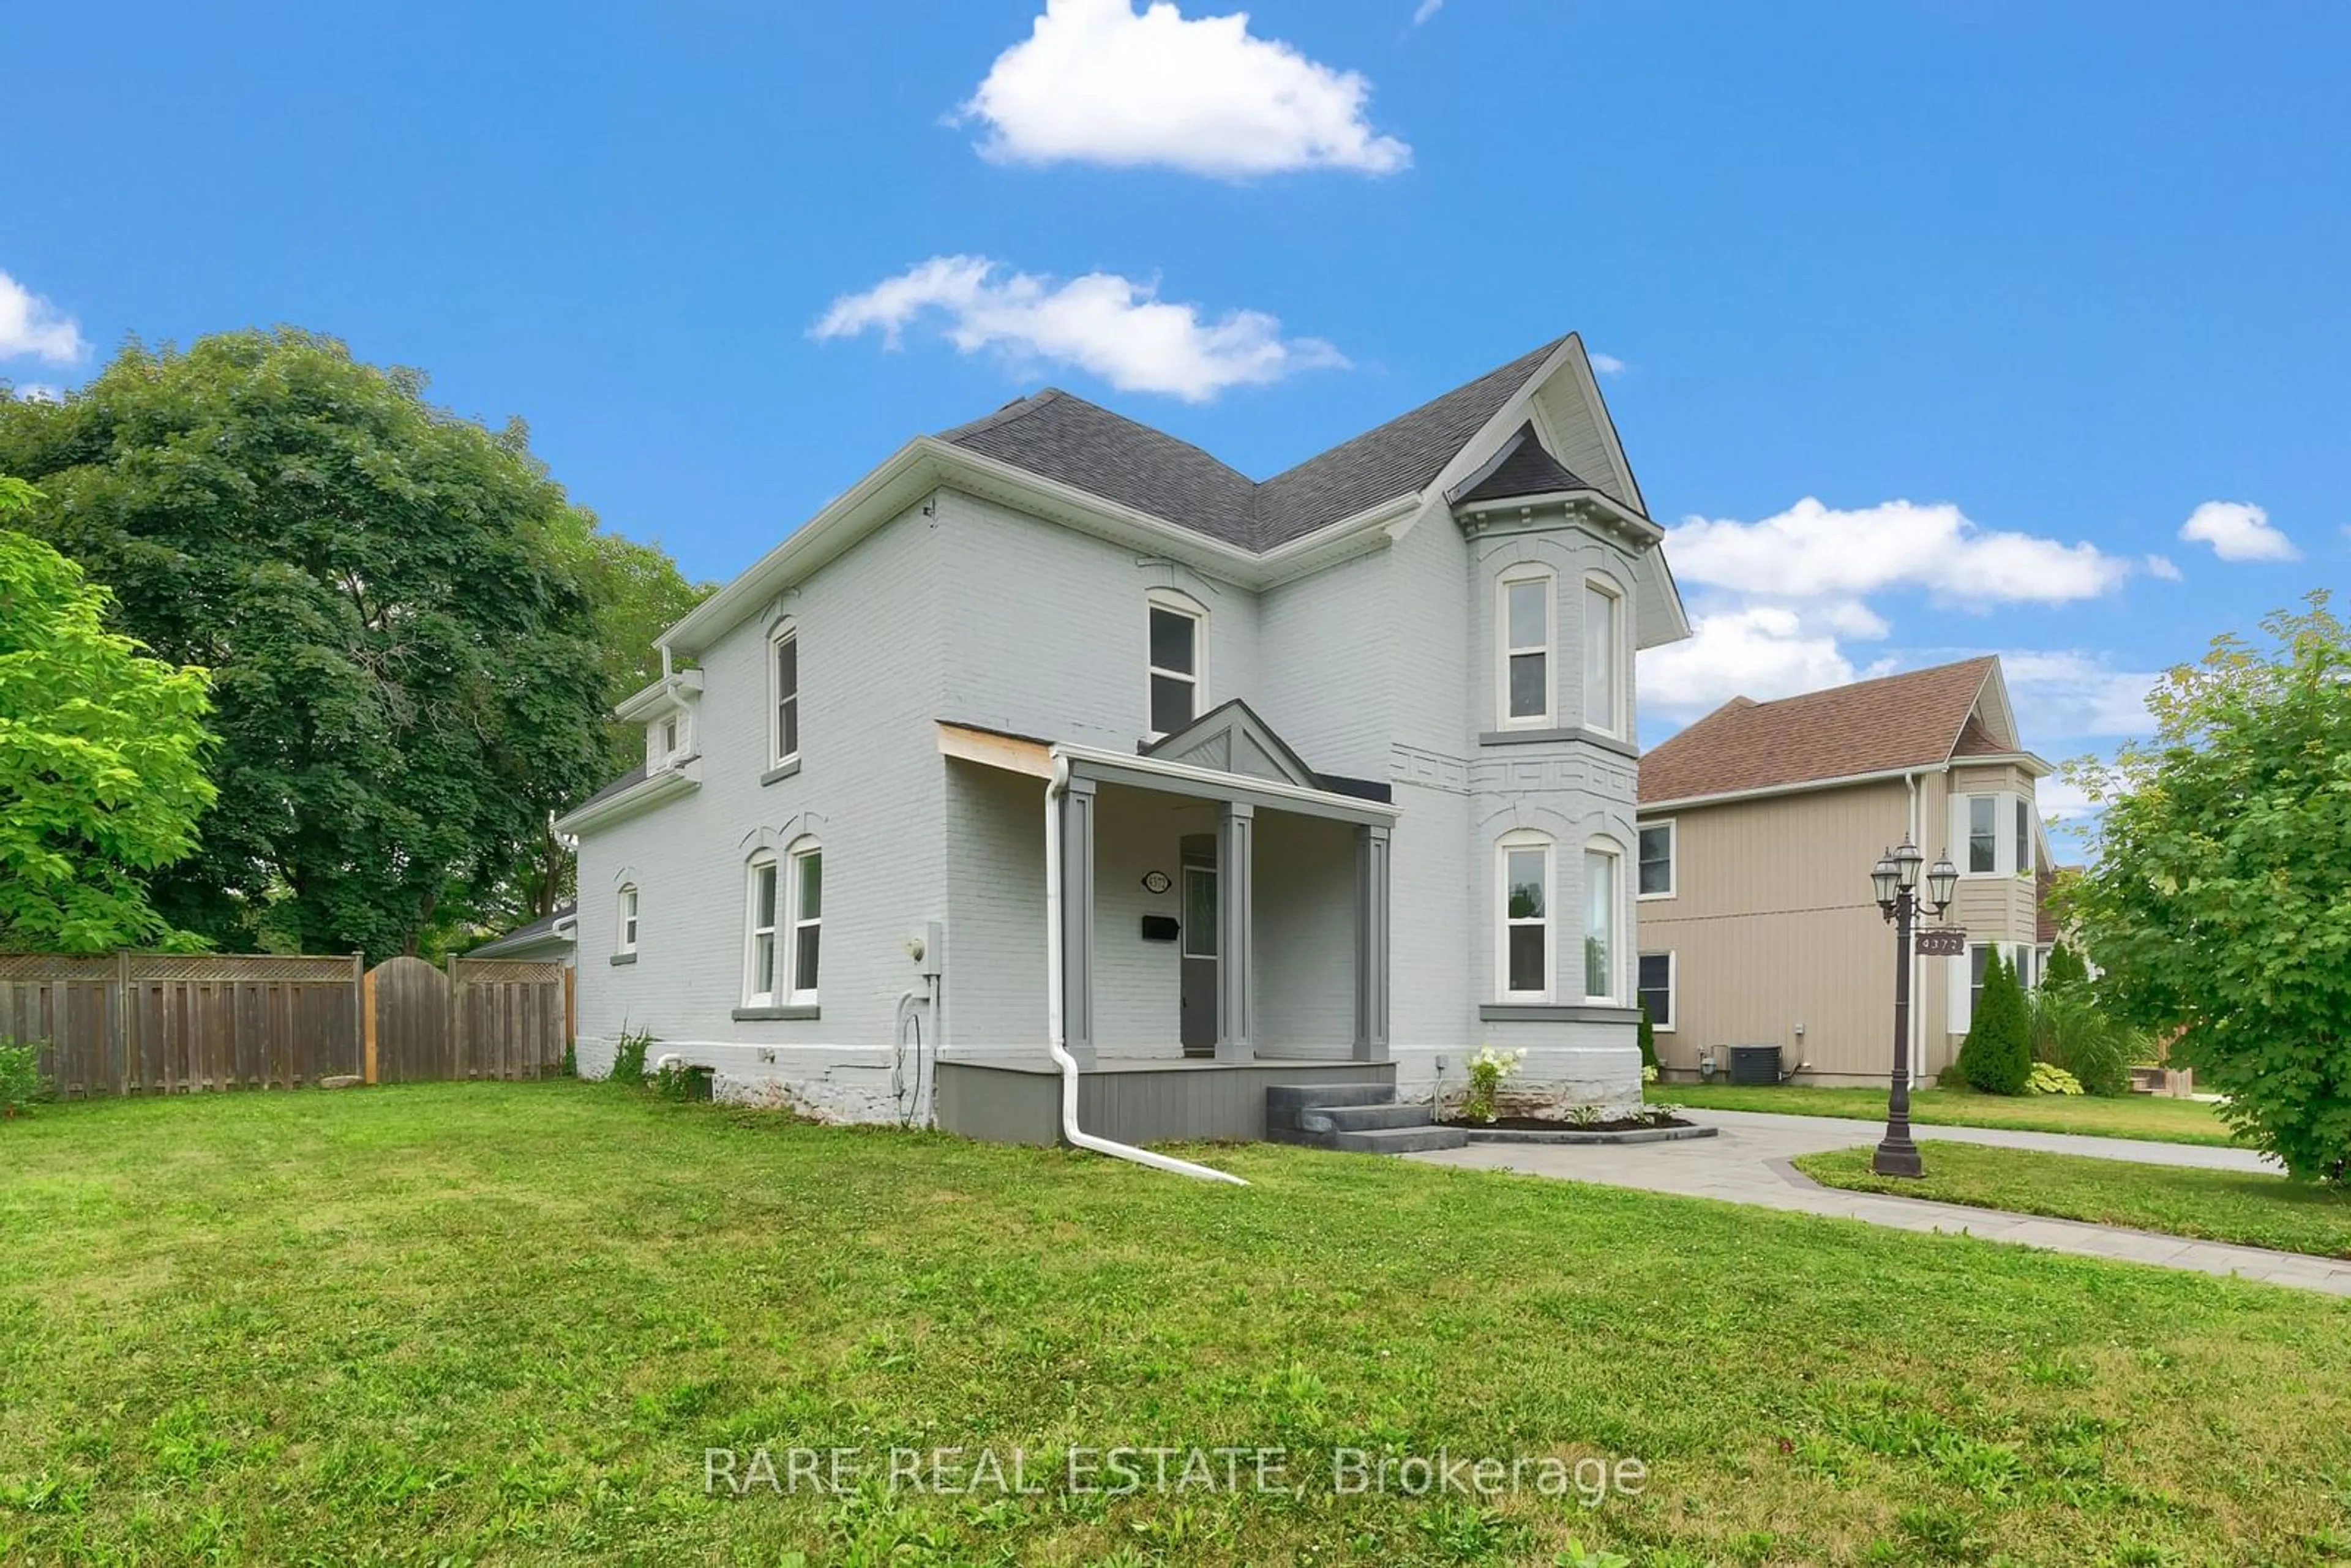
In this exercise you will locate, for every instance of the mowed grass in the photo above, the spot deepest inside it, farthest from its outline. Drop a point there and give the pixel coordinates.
(2149, 1116)
(2215, 1206)
(502, 1324)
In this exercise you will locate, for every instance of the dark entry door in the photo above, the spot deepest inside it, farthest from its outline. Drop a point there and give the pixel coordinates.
(1198, 937)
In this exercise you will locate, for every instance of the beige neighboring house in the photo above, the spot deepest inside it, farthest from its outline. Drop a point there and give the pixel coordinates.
(1759, 825)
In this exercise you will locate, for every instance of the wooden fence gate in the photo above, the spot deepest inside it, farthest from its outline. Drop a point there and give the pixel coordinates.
(485, 1018)
(160, 1023)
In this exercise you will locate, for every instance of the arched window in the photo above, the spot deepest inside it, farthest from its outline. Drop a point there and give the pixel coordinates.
(783, 694)
(1525, 621)
(1603, 907)
(625, 938)
(1178, 660)
(762, 922)
(1525, 947)
(1604, 658)
(782, 926)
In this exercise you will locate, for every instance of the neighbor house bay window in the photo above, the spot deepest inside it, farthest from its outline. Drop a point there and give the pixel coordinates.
(1600, 925)
(1526, 926)
(1526, 616)
(1984, 834)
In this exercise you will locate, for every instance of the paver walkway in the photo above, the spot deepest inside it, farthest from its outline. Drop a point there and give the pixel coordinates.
(1747, 1162)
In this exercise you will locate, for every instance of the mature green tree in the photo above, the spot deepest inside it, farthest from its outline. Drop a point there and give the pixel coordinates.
(407, 678)
(2218, 901)
(1997, 1055)
(102, 757)
(2065, 969)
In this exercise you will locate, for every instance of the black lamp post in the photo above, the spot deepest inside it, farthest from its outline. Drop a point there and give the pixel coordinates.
(1895, 879)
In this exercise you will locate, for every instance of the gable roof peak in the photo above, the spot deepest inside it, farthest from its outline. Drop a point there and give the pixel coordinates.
(1885, 724)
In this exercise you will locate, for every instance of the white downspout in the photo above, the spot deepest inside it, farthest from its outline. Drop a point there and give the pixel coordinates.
(1054, 790)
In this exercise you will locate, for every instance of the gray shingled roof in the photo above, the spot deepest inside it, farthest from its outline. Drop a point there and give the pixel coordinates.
(629, 780)
(523, 936)
(1068, 439)
(1522, 466)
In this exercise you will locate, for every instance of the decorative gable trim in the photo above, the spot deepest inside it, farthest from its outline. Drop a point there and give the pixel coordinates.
(1231, 739)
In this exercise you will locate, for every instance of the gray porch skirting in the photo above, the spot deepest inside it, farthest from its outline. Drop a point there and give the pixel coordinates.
(1135, 1102)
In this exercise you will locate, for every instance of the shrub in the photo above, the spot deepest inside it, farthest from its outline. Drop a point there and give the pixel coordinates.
(1488, 1069)
(2048, 1079)
(2070, 1029)
(681, 1081)
(2066, 970)
(21, 1082)
(1997, 1057)
(1648, 1046)
(629, 1058)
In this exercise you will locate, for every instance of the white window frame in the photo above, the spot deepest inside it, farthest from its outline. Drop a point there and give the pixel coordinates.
(2013, 829)
(1673, 990)
(1176, 603)
(784, 632)
(625, 937)
(1672, 828)
(768, 862)
(1618, 926)
(1521, 841)
(1505, 649)
(1615, 706)
(797, 920)
(2023, 835)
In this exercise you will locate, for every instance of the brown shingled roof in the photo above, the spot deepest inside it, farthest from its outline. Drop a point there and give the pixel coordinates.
(1909, 720)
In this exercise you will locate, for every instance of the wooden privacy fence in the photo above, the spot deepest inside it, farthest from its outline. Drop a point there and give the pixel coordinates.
(159, 1023)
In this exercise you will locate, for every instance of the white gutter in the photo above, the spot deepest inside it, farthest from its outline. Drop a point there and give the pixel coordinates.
(1055, 788)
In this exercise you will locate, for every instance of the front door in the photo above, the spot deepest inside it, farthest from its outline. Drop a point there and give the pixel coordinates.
(1199, 945)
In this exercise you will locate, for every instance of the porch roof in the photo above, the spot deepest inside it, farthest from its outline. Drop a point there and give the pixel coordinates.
(1277, 789)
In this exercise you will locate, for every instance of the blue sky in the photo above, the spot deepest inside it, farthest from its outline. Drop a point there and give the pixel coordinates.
(2056, 276)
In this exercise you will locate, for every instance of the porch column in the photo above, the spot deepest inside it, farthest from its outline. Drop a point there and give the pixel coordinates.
(1077, 932)
(1370, 943)
(1235, 933)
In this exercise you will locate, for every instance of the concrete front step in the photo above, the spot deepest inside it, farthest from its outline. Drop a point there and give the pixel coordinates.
(1360, 1118)
(1285, 1101)
(1397, 1140)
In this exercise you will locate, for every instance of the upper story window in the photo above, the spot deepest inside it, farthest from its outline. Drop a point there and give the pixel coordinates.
(783, 695)
(625, 940)
(667, 738)
(1526, 612)
(1658, 842)
(1604, 658)
(1984, 834)
(1524, 943)
(1180, 661)
(2023, 836)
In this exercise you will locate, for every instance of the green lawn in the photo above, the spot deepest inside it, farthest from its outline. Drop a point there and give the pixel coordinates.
(2217, 1205)
(2123, 1116)
(502, 1324)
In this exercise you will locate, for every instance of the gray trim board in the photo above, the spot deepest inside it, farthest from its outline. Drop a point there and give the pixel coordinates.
(1372, 944)
(1236, 932)
(1335, 808)
(757, 1015)
(624, 958)
(1531, 737)
(1554, 1012)
(780, 772)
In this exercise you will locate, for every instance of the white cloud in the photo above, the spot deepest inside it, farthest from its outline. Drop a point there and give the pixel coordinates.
(1108, 325)
(1812, 551)
(2238, 531)
(1424, 10)
(38, 391)
(31, 326)
(1096, 83)
(2160, 566)
(1761, 650)
(2059, 796)
(2071, 693)
(1608, 364)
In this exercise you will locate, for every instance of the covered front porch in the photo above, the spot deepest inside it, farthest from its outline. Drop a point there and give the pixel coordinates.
(1218, 917)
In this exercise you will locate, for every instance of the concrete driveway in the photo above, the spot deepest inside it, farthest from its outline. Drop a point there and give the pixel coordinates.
(1747, 1162)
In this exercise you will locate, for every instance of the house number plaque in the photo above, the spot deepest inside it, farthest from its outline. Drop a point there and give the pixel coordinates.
(1942, 942)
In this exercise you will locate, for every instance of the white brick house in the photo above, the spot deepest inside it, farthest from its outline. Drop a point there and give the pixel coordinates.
(1341, 769)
